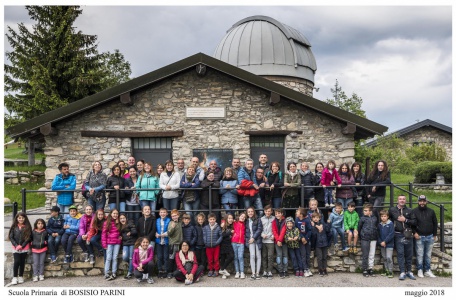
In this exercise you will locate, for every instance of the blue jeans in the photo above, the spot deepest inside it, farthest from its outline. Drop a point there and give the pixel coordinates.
(67, 242)
(305, 255)
(238, 257)
(296, 258)
(424, 249)
(170, 203)
(97, 205)
(134, 212)
(344, 202)
(328, 195)
(192, 206)
(276, 202)
(63, 208)
(121, 206)
(152, 204)
(229, 208)
(338, 231)
(162, 253)
(254, 201)
(404, 250)
(282, 257)
(127, 255)
(111, 258)
(53, 244)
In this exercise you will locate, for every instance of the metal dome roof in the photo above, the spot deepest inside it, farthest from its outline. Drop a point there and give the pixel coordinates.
(265, 46)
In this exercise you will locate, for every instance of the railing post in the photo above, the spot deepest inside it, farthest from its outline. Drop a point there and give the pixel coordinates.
(15, 206)
(302, 195)
(391, 195)
(118, 199)
(24, 200)
(442, 229)
(410, 194)
(210, 199)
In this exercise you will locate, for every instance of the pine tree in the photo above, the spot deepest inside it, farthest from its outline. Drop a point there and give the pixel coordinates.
(341, 100)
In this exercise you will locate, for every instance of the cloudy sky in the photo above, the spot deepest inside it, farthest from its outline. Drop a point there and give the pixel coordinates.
(398, 59)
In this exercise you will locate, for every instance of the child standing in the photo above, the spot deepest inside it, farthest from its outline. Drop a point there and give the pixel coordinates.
(129, 237)
(111, 239)
(321, 238)
(329, 177)
(71, 227)
(55, 232)
(267, 253)
(304, 225)
(20, 235)
(143, 260)
(200, 249)
(146, 225)
(386, 241)
(278, 230)
(226, 250)
(212, 235)
(237, 242)
(253, 238)
(367, 228)
(292, 240)
(39, 248)
(188, 231)
(351, 219)
(175, 238)
(162, 243)
(336, 221)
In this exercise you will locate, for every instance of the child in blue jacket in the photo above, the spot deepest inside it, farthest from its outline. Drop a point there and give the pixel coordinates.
(302, 222)
(336, 219)
(162, 243)
(71, 227)
(386, 242)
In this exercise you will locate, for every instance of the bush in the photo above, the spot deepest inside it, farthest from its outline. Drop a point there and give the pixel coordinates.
(425, 172)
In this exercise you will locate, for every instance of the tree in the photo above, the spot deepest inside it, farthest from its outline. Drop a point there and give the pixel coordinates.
(117, 69)
(53, 64)
(341, 100)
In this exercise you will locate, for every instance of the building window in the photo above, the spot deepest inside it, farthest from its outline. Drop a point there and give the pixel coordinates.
(267, 141)
(152, 143)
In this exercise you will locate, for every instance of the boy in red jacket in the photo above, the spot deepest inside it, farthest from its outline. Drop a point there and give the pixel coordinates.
(278, 230)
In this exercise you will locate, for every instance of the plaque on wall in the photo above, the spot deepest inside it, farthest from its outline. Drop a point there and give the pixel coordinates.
(214, 112)
(223, 157)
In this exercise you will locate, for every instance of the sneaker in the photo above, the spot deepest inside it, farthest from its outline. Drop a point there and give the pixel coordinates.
(35, 278)
(365, 273)
(67, 259)
(286, 273)
(402, 276)
(420, 274)
(138, 280)
(14, 281)
(325, 272)
(332, 205)
(215, 274)
(145, 276)
(297, 273)
(385, 273)
(53, 259)
(310, 273)
(301, 273)
(113, 276)
(306, 273)
(226, 273)
(150, 280)
(429, 274)
(224, 277)
(128, 276)
(355, 250)
(321, 273)
(86, 257)
(258, 277)
(269, 275)
(236, 276)
(169, 276)
(253, 277)
(410, 275)
(371, 273)
(265, 274)
(350, 250)
(71, 258)
(20, 279)
(346, 249)
(326, 205)
(107, 277)
(390, 275)
(242, 275)
(222, 272)
(41, 277)
(209, 274)
(187, 282)
(92, 259)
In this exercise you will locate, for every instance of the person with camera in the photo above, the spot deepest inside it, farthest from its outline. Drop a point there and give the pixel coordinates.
(401, 216)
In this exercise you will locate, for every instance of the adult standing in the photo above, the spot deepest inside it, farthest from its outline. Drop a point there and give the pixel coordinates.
(215, 197)
(401, 216)
(95, 183)
(379, 176)
(64, 181)
(360, 179)
(190, 198)
(170, 183)
(344, 194)
(307, 179)
(263, 163)
(292, 181)
(131, 161)
(275, 181)
(147, 180)
(132, 199)
(425, 222)
(216, 170)
(236, 165)
(247, 184)
(116, 182)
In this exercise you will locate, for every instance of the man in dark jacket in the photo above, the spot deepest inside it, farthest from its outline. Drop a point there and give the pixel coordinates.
(263, 163)
(425, 222)
(401, 215)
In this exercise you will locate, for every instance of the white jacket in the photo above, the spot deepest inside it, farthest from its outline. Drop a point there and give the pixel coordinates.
(174, 182)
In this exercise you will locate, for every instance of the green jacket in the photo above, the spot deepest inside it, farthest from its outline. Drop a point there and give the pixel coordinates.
(175, 234)
(351, 220)
(294, 232)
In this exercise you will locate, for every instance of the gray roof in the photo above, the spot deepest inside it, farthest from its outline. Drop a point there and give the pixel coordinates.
(265, 46)
(414, 127)
(364, 127)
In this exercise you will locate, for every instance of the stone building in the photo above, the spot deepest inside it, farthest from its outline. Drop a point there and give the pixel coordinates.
(426, 131)
(202, 103)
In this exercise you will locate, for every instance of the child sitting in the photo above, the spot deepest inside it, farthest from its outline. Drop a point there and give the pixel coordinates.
(351, 219)
(336, 220)
(143, 260)
(71, 227)
(386, 241)
(55, 232)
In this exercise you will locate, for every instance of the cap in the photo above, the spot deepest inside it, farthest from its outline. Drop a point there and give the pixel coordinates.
(289, 219)
(72, 207)
(422, 198)
(55, 208)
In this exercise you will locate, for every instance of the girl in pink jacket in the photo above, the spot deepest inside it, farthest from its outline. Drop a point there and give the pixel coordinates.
(111, 240)
(330, 177)
(143, 260)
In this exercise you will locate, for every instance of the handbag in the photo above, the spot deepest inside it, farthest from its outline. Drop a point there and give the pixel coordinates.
(408, 233)
(84, 191)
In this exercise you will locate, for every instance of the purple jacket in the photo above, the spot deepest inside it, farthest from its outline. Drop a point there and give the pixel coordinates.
(150, 256)
(327, 177)
(111, 237)
(84, 224)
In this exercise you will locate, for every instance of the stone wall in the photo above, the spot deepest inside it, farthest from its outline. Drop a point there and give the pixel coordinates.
(161, 107)
(16, 177)
(440, 262)
(297, 84)
(431, 134)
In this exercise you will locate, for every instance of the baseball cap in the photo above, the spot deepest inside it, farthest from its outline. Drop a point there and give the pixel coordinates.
(55, 208)
(422, 198)
(72, 207)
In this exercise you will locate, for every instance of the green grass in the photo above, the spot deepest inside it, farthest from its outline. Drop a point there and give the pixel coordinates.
(26, 168)
(15, 152)
(34, 200)
(445, 198)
